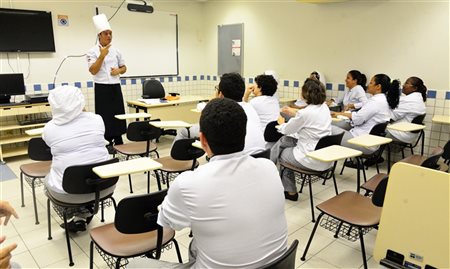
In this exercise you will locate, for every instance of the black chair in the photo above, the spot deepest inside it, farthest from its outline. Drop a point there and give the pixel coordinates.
(40, 152)
(348, 211)
(141, 133)
(271, 133)
(262, 154)
(310, 175)
(183, 157)
(286, 261)
(417, 120)
(428, 162)
(378, 130)
(80, 179)
(446, 154)
(135, 232)
(152, 88)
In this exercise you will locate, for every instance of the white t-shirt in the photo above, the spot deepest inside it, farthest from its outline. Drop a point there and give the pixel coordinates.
(375, 111)
(235, 207)
(409, 107)
(80, 141)
(113, 59)
(254, 138)
(267, 108)
(309, 125)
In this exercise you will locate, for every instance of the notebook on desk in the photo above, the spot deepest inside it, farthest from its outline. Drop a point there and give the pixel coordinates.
(152, 101)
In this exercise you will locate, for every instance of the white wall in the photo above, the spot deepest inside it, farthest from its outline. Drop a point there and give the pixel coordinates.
(80, 35)
(400, 39)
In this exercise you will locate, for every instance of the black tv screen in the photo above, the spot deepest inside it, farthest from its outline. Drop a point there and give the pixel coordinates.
(26, 31)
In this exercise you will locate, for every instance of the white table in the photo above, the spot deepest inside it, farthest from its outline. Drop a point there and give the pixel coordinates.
(333, 153)
(441, 119)
(406, 127)
(133, 116)
(126, 167)
(171, 124)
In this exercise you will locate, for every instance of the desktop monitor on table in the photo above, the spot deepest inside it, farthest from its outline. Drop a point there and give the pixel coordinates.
(11, 84)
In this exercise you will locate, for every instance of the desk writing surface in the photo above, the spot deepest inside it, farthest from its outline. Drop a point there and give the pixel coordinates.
(37, 131)
(405, 126)
(133, 116)
(126, 167)
(333, 153)
(170, 124)
(369, 140)
(183, 99)
(197, 144)
(415, 216)
(441, 119)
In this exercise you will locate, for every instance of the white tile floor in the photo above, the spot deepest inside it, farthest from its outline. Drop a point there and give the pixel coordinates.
(35, 251)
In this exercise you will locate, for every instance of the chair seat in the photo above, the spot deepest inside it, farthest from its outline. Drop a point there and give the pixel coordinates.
(36, 169)
(373, 182)
(172, 166)
(352, 208)
(135, 148)
(414, 159)
(303, 171)
(127, 245)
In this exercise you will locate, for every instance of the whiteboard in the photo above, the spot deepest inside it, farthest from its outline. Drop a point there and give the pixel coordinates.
(148, 41)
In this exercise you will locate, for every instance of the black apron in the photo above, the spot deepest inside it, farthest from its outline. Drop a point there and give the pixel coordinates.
(108, 103)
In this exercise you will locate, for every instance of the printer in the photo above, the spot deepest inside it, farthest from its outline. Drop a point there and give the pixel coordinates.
(36, 98)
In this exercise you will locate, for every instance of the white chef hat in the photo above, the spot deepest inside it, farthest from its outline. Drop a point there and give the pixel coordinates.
(66, 103)
(101, 23)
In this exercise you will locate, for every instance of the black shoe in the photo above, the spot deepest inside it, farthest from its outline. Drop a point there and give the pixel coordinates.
(351, 164)
(373, 161)
(292, 197)
(75, 226)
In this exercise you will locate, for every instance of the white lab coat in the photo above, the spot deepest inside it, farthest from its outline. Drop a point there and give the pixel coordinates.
(80, 141)
(309, 125)
(355, 95)
(375, 111)
(267, 108)
(231, 193)
(113, 59)
(254, 138)
(409, 107)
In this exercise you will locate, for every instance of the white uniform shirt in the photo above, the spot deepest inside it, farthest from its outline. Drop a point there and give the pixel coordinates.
(80, 141)
(409, 107)
(254, 138)
(375, 111)
(235, 207)
(267, 108)
(355, 95)
(112, 60)
(309, 125)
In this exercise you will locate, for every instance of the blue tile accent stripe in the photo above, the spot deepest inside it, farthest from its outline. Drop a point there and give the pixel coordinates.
(178, 78)
(51, 86)
(186, 78)
(133, 81)
(123, 82)
(194, 77)
(208, 77)
(286, 83)
(161, 79)
(37, 87)
(431, 94)
(170, 79)
(329, 86)
(214, 78)
(77, 84)
(341, 87)
(447, 95)
(296, 83)
(202, 77)
(65, 84)
(250, 80)
(90, 84)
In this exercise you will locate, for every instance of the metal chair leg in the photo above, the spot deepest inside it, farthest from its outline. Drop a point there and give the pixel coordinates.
(103, 211)
(311, 237)
(343, 166)
(91, 255)
(129, 181)
(158, 180)
(148, 181)
(338, 229)
(21, 189)
(335, 185)
(34, 200)
(363, 249)
(180, 260)
(311, 198)
(118, 263)
(48, 221)
(69, 249)
(303, 182)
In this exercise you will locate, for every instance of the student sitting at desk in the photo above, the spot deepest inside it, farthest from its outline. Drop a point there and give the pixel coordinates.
(74, 137)
(376, 110)
(355, 96)
(232, 86)
(265, 104)
(233, 204)
(302, 134)
(411, 104)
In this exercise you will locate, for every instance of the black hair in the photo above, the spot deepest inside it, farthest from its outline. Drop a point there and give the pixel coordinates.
(224, 124)
(232, 86)
(417, 83)
(313, 91)
(315, 74)
(360, 78)
(267, 84)
(390, 89)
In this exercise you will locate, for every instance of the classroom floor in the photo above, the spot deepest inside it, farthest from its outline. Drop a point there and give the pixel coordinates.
(35, 251)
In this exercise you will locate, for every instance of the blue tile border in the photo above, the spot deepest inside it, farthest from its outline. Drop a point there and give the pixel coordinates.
(77, 84)
(133, 81)
(65, 84)
(447, 95)
(208, 77)
(51, 86)
(123, 82)
(341, 87)
(170, 79)
(202, 77)
(250, 80)
(215, 78)
(431, 94)
(286, 83)
(37, 87)
(296, 84)
(186, 78)
(329, 86)
(194, 77)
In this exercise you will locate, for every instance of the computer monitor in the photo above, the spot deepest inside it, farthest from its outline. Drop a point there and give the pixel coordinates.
(11, 84)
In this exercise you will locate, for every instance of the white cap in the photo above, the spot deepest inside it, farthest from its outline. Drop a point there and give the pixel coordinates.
(101, 23)
(66, 103)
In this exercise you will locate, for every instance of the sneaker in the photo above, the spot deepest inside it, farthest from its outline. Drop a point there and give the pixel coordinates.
(292, 197)
(75, 226)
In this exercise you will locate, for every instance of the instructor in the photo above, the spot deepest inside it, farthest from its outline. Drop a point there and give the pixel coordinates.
(106, 65)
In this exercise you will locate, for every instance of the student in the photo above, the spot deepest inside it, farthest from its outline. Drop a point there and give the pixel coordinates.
(355, 96)
(6, 211)
(376, 110)
(411, 104)
(265, 104)
(302, 134)
(230, 194)
(300, 103)
(74, 137)
(232, 86)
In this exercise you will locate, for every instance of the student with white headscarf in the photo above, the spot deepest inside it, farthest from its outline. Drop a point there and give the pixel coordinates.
(106, 64)
(74, 137)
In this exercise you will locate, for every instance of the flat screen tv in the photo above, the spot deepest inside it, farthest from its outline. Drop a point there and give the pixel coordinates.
(26, 31)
